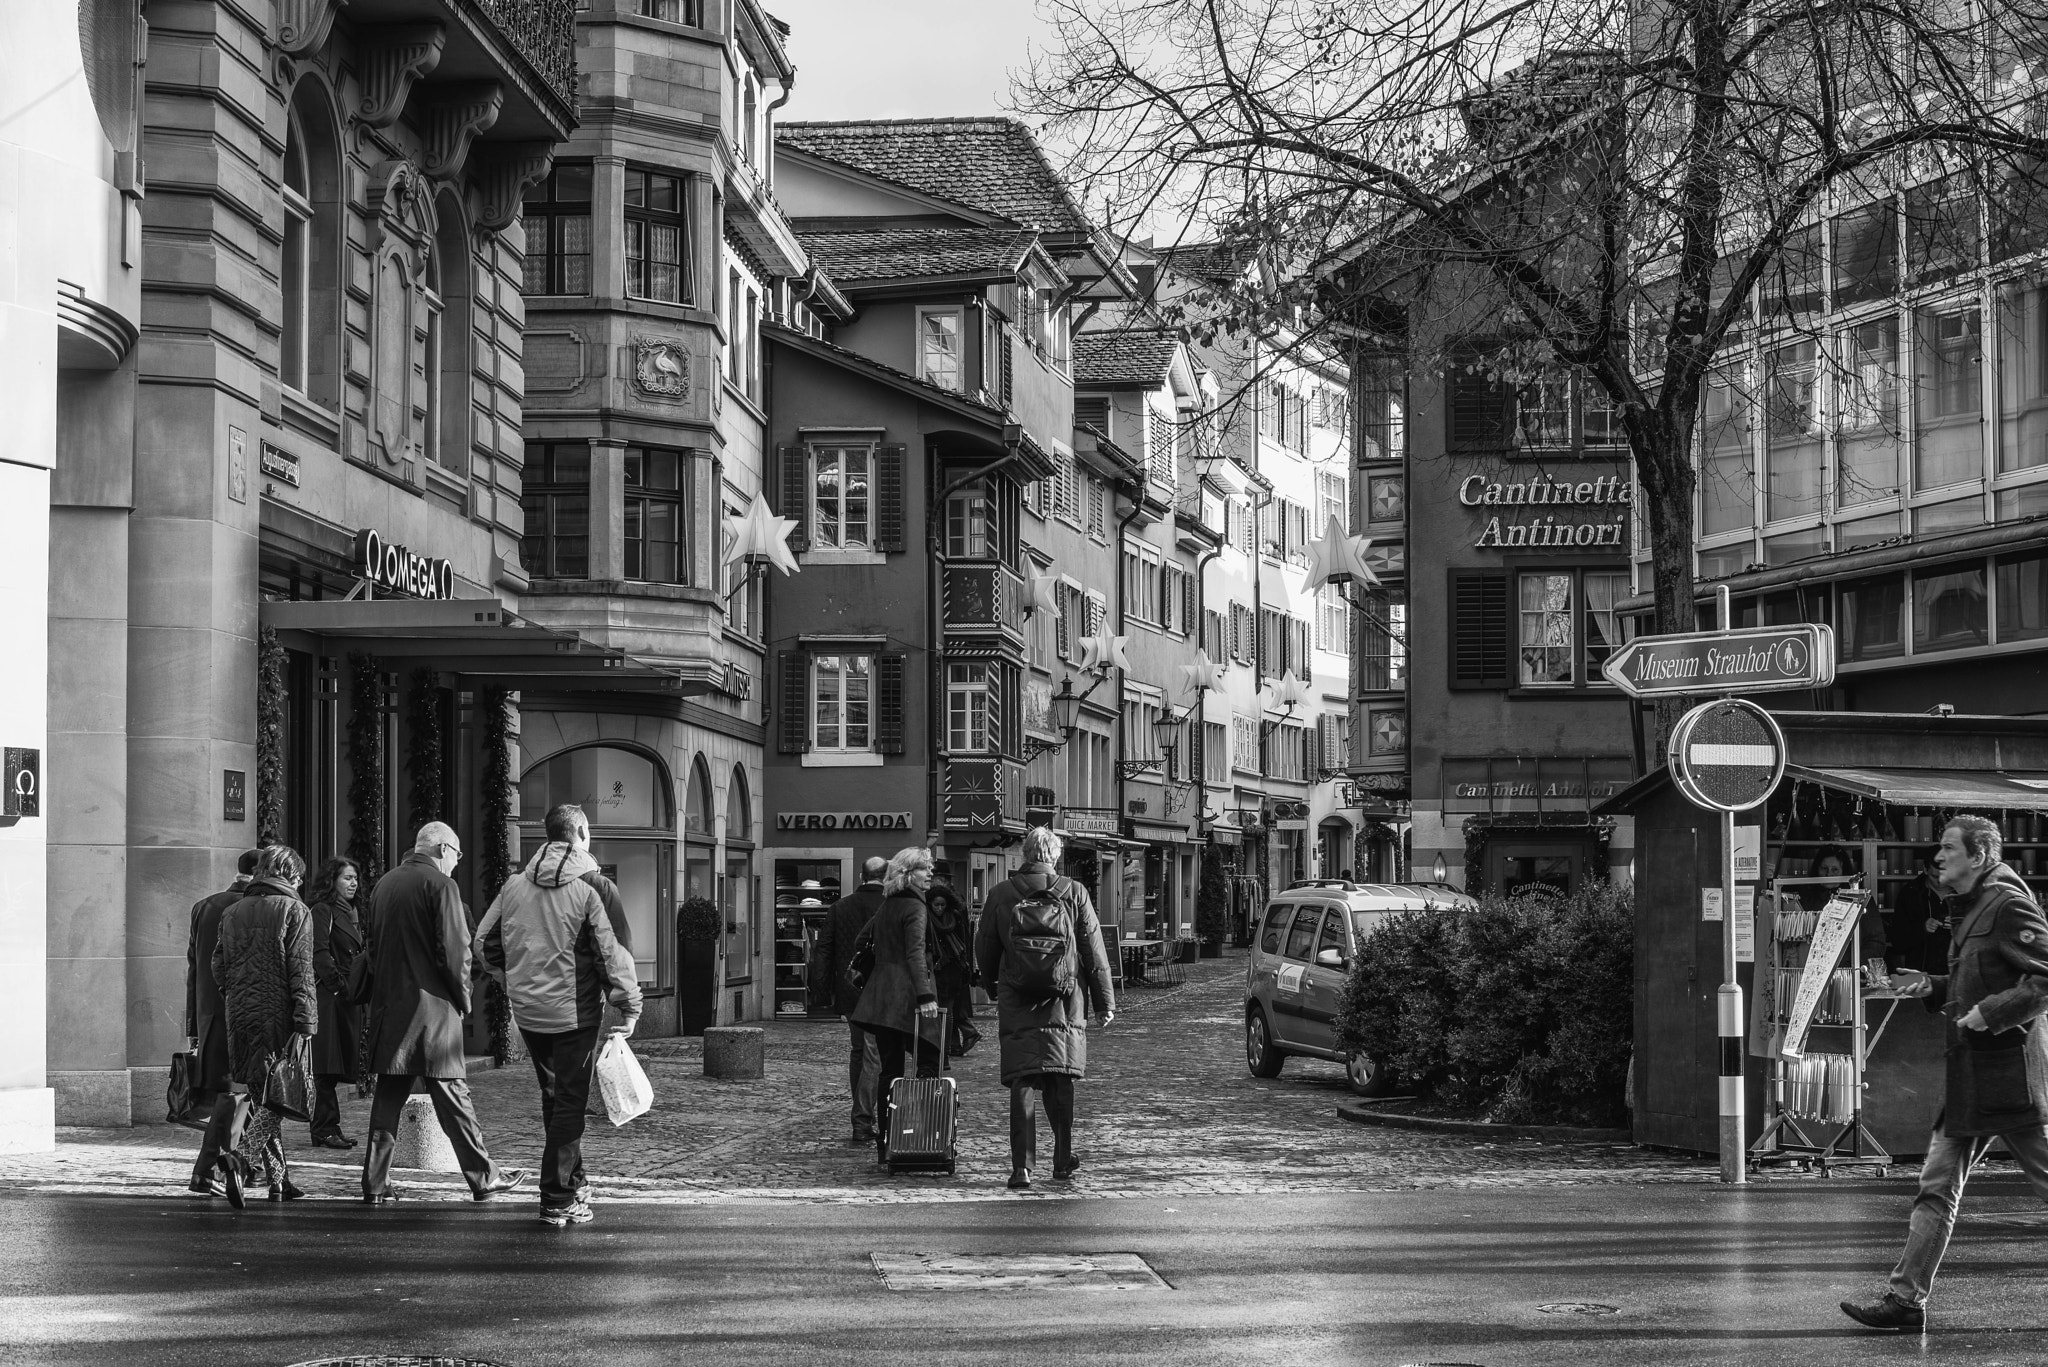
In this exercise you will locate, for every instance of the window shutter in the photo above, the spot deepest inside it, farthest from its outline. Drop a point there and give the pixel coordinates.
(796, 494)
(889, 704)
(1481, 406)
(1098, 607)
(1479, 630)
(1064, 623)
(889, 500)
(1092, 410)
(796, 703)
(1187, 602)
(1009, 339)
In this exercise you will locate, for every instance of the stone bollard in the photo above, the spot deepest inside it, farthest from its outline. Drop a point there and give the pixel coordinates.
(420, 1142)
(735, 1052)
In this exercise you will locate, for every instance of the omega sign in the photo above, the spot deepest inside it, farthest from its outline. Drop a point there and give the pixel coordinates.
(1605, 498)
(842, 821)
(389, 566)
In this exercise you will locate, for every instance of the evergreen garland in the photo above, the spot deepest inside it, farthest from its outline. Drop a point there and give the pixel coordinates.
(365, 765)
(425, 800)
(270, 715)
(494, 864)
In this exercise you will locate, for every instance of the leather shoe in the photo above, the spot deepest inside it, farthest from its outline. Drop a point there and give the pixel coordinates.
(511, 1179)
(1020, 1179)
(205, 1186)
(333, 1141)
(1066, 1169)
(382, 1198)
(285, 1191)
(1889, 1315)
(863, 1134)
(231, 1179)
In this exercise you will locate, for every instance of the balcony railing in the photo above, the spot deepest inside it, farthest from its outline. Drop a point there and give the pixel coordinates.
(982, 597)
(544, 33)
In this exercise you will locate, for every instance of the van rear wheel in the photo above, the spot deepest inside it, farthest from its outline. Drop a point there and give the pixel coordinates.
(1261, 1055)
(1367, 1076)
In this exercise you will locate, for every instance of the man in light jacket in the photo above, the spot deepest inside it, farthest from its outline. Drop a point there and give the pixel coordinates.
(1994, 995)
(548, 939)
(418, 943)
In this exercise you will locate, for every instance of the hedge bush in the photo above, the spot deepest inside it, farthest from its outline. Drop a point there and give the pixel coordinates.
(1521, 1005)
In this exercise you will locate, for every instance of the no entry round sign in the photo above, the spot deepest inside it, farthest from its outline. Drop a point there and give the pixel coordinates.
(1727, 756)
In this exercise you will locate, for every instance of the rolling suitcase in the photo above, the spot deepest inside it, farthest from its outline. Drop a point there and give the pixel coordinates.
(924, 1112)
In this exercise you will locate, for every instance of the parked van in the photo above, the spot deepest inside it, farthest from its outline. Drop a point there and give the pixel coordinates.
(1302, 951)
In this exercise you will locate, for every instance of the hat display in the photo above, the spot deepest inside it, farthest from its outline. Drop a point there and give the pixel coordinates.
(810, 902)
(810, 883)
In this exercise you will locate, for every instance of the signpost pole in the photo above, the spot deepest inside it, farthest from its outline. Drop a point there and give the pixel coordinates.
(1728, 1014)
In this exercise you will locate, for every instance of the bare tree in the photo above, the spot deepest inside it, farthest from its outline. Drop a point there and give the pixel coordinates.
(1643, 183)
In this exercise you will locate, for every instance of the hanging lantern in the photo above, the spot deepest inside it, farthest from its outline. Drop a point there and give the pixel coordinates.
(1100, 652)
(1202, 675)
(1043, 594)
(1339, 558)
(758, 534)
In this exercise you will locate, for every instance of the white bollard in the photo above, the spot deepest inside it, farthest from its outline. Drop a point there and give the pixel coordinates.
(419, 1142)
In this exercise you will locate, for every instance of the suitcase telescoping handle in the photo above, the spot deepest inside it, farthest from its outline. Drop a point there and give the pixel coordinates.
(945, 1020)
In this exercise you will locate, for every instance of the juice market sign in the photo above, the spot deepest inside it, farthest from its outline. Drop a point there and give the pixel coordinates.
(1544, 514)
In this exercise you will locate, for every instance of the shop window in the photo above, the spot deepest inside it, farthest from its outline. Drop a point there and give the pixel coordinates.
(656, 512)
(1479, 630)
(1866, 254)
(555, 497)
(1792, 433)
(2023, 598)
(1867, 413)
(1948, 436)
(1942, 234)
(657, 237)
(557, 214)
(311, 262)
(1546, 637)
(1950, 608)
(1727, 481)
(739, 810)
(941, 360)
(2022, 375)
(699, 813)
(614, 786)
(1872, 617)
(967, 708)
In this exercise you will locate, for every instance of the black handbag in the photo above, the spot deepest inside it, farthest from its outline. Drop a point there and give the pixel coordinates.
(359, 987)
(288, 1081)
(861, 966)
(184, 1102)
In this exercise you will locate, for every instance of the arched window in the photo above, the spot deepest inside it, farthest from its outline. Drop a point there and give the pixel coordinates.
(445, 361)
(615, 787)
(309, 267)
(739, 817)
(697, 804)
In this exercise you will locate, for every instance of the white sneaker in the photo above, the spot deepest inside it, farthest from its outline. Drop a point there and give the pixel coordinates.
(575, 1213)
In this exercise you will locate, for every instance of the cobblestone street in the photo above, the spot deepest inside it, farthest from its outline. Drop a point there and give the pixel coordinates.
(1167, 1108)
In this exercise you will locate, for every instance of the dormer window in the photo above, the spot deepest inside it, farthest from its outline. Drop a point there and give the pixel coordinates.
(939, 359)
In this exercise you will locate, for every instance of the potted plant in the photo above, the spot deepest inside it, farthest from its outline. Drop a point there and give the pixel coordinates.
(1212, 904)
(699, 923)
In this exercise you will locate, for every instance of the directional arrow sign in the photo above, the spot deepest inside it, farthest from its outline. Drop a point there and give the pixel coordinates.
(1756, 660)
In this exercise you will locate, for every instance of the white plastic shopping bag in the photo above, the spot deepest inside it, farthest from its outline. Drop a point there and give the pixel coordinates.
(621, 1081)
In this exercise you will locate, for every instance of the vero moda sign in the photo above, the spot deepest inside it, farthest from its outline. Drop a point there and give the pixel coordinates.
(1754, 660)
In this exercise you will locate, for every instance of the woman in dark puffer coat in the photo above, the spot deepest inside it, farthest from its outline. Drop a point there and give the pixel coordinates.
(263, 962)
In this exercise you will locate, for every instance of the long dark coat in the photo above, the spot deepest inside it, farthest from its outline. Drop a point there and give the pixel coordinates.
(1998, 962)
(337, 939)
(834, 950)
(263, 961)
(1048, 1036)
(206, 1017)
(902, 980)
(418, 941)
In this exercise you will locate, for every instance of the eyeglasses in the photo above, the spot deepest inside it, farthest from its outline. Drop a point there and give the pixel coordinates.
(454, 850)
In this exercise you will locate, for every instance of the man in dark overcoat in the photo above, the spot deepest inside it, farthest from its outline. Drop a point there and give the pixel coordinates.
(837, 940)
(206, 1018)
(420, 984)
(1994, 995)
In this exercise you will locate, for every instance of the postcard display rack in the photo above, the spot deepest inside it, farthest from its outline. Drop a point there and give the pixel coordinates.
(805, 890)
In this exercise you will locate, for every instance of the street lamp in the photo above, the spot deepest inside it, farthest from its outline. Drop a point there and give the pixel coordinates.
(1165, 735)
(1442, 873)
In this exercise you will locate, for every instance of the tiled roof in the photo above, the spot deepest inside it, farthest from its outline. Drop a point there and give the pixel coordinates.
(990, 164)
(1124, 356)
(1216, 263)
(898, 253)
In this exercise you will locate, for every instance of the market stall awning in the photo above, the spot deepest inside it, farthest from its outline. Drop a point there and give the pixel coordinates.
(476, 638)
(1933, 787)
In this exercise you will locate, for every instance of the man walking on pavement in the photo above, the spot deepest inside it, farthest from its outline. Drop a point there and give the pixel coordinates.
(206, 1018)
(837, 941)
(1993, 995)
(548, 939)
(419, 971)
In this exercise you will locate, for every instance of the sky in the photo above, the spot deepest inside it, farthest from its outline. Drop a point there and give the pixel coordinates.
(895, 59)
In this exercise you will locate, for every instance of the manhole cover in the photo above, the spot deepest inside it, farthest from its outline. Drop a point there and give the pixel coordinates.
(399, 1360)
(1016, 1271)
(1578, 1308)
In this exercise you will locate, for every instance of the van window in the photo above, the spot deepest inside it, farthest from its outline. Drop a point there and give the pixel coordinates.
(1333, 935)
(1303, 935)
(1276, 926)
(1363, 923)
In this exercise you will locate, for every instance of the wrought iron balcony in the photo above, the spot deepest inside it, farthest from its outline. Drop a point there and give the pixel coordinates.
(543, 32)
(982, 596)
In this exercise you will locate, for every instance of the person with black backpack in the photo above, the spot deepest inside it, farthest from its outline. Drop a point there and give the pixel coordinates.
(1040, 945)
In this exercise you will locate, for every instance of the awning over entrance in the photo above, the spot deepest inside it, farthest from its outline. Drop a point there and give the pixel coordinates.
(1933, 787)
(476, 638)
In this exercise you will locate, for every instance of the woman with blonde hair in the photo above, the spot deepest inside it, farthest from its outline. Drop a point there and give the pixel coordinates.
(900, 986)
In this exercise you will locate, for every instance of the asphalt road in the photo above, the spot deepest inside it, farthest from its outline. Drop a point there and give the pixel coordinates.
(1693, 1275)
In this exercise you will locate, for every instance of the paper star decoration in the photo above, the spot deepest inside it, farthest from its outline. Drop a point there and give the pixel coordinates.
(1099, 652)
(1043, 595)
(1203, 673)
(1338, 557)
(1288, 691)
(759, 532)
